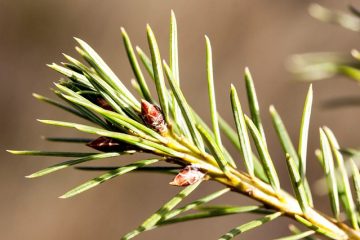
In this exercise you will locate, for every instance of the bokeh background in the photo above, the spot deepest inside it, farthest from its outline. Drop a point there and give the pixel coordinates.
(254, 33)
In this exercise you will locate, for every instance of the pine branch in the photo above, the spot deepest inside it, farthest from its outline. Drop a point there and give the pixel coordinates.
(177, 136)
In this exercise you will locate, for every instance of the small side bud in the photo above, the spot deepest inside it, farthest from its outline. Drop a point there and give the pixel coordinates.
(105, 144)
(153, 117)
(101, 102)
(188, 176)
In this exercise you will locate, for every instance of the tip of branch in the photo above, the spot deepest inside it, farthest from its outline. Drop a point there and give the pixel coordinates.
(232, 87)
(272, 108)
(78, 40)
(314, 8)
(148, 28)
(172, 14)
(355, 53)
(207, 39)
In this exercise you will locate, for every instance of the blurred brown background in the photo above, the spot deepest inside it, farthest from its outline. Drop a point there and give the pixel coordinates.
(254, 33)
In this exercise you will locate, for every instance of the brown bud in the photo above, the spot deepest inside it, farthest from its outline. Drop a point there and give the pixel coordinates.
(101, 102)
(188, 176)
(152, 116)
(105, 144)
